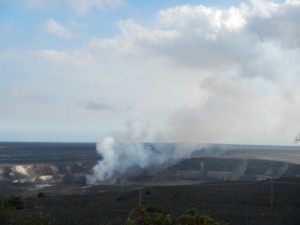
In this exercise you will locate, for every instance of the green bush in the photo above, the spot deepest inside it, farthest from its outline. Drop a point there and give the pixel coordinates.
(39, 219)
(4, 215)
(153, 209)
(152, 216)
(142, 215)
(13, 202)
(7, 205)
(149, 217)
(192, 217)
(16, 202)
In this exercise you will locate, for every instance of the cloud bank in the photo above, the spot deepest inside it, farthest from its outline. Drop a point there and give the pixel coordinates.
(245, 59)
(198, 73)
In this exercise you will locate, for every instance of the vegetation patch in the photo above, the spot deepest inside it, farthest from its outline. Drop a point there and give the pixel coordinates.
(155, 216)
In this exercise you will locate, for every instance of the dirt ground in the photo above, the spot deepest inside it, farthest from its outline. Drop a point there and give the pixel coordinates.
(237, 203)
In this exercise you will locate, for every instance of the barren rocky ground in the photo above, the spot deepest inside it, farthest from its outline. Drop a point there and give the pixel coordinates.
(229, 183)
(237, 203)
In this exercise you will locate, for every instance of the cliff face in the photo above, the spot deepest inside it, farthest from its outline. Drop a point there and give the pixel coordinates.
(69, 163)
(186, 171)
(70, 172)
(205, 169)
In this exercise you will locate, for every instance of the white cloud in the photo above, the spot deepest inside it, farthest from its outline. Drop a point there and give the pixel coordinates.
(253, 78)
(84, 6)
(281, 25)
(224, 75)
(203, 19)
(57, 29)
(135, 39)
(250, 55)
(69, 58)
(292, 2)
(264, 9)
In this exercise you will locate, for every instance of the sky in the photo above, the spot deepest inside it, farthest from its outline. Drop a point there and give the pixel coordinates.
(195, 71)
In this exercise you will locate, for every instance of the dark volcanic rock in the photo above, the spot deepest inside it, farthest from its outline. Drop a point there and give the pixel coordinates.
(237, 203)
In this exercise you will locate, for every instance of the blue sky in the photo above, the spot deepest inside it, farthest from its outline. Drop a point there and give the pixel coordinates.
(21, 25)
(196, 71)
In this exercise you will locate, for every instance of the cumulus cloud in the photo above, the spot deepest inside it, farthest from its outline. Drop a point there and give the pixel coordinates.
(200, 35)
(280, 25)
(135, 39)
(220, 74)
(57, 29)
(252, 81)
(248, 57)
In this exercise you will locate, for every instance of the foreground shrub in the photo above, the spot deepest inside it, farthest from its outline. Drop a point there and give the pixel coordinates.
(149, 216)
(4, 215)
(192, 217)
(39, 219)
(142, 215)
(154, 216)
(13, 202)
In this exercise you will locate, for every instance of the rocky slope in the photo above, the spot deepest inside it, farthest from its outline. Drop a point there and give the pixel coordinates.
(50, 173)
(69, 163)
(221, 169)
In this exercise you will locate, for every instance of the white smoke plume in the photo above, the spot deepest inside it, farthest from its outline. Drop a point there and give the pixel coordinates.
(125, 153)
(238, 75)
(247, 60)
(121, 151)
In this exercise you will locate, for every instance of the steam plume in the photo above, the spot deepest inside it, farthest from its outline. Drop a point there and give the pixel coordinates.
(125, 153)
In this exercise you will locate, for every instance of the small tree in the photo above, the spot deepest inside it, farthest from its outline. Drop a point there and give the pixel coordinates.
(4, 215)
(154, 216)
(149, 217)
(39, 219)
(13, 202)
(192, 217)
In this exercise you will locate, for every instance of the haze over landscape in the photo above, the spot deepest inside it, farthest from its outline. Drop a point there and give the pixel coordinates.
(196, 71)
(143, 112)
